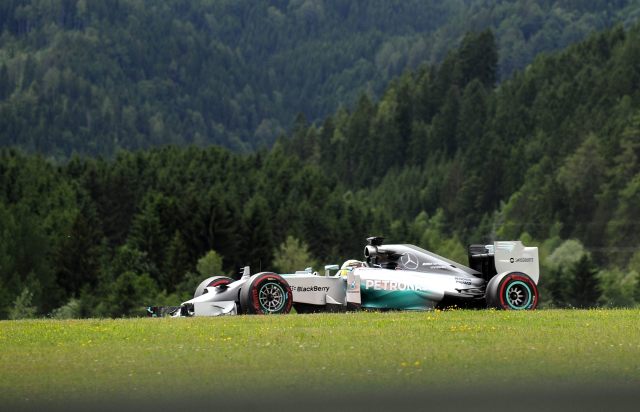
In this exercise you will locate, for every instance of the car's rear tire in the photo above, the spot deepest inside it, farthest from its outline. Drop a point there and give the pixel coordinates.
(211, 282)
(512, 291)
(266, 293)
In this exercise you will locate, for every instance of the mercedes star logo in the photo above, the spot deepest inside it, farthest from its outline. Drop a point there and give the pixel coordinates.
(409, 261)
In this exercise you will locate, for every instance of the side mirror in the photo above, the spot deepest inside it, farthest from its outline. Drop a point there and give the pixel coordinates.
(329, 268)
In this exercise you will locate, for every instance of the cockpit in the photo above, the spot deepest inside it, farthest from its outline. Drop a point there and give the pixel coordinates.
(411, 258)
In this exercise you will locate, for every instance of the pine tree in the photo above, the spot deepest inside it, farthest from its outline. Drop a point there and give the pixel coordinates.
(585, 288)
(361, 148)
(176, 262)
(5, 86)
(257, 247)
(147, 231)
(77, 255)
(28, 72)
(472, 116)
(442, 136)
(478, 59)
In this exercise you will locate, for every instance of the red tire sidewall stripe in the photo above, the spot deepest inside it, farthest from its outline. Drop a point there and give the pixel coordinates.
(218, 283)
(289, 297)
(255, 299)
(523, 278)
(255, 287)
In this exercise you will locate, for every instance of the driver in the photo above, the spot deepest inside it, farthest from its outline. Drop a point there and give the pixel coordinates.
(349, 265)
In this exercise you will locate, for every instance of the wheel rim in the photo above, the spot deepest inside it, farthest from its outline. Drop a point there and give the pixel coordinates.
(518, 295)
(272, 297)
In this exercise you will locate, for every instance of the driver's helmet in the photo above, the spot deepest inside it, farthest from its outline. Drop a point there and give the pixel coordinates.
(349, 265)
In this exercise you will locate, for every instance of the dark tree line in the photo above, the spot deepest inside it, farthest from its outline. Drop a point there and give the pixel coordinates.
(86, 228)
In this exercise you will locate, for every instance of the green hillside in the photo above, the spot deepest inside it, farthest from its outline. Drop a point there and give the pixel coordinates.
(444, 158)
(90, 77)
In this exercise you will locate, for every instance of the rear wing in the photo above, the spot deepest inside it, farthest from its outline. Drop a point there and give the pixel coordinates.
(513, 256)
(505, 256)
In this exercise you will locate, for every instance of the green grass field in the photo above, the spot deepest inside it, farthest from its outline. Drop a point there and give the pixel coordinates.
(49, 360)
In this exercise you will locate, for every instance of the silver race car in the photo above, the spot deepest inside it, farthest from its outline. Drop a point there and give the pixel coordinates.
(503, 275)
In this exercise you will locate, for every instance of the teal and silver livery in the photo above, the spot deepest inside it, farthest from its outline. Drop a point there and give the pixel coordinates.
(409, 277)
(503, 275)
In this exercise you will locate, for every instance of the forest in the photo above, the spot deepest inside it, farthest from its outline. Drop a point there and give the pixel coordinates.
(92, 77)
(448, 155)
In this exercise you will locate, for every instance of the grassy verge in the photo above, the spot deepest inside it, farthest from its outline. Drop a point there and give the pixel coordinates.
(45, 360)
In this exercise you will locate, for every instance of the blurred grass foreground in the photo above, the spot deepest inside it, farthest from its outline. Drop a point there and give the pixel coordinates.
(326, 360)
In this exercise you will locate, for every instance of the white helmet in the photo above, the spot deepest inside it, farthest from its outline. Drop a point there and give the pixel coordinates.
(349, 265)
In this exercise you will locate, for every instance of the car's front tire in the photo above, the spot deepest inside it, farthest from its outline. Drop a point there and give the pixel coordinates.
(512, 291)
(211, 282)
(266, 293)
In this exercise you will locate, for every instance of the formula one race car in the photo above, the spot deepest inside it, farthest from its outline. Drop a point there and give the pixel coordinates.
(392, 277)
